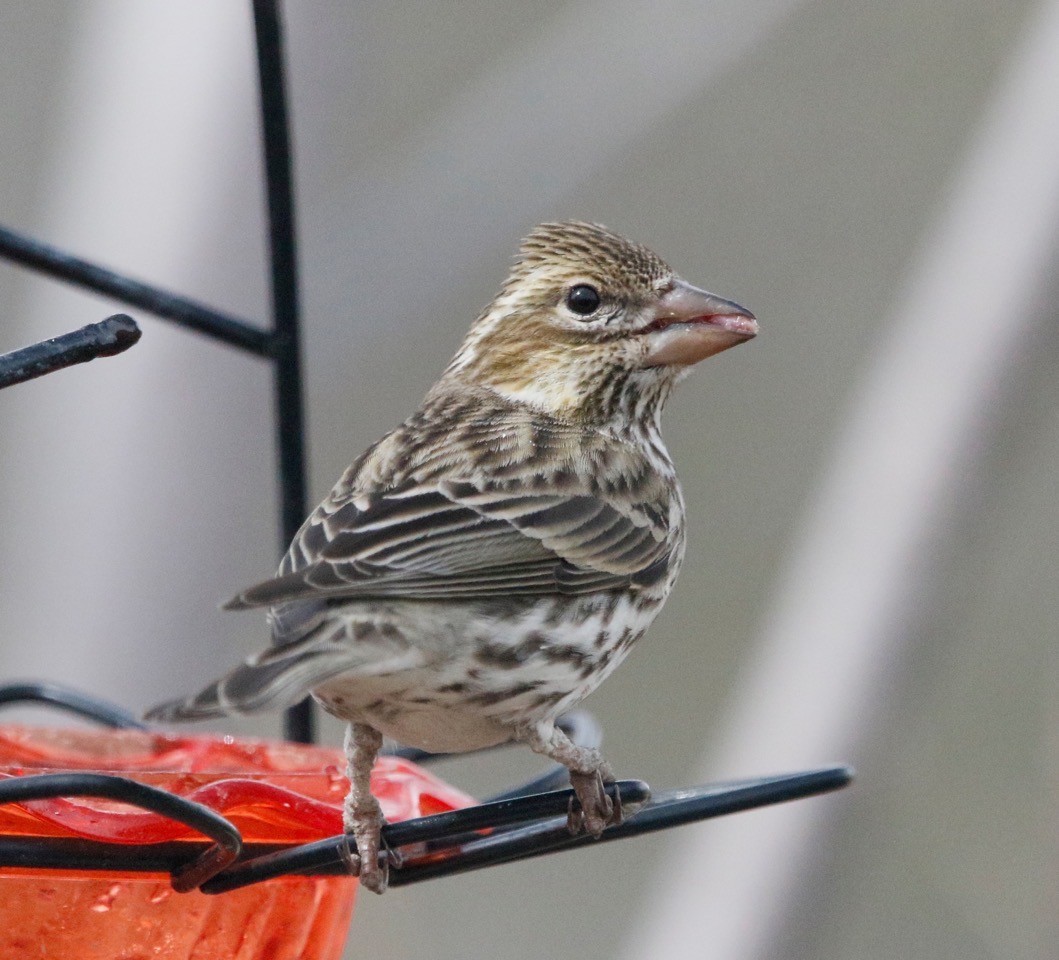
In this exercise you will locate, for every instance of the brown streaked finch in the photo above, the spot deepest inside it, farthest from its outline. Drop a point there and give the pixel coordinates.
(482, 568)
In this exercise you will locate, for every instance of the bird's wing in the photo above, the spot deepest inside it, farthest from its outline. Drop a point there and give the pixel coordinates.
(465, 538)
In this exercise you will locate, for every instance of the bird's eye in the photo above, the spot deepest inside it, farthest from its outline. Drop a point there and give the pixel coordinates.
(582, 299)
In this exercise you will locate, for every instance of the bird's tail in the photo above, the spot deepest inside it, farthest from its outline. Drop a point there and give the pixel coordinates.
(272, 680)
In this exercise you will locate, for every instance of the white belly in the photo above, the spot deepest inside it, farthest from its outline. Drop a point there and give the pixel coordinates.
(451, 687)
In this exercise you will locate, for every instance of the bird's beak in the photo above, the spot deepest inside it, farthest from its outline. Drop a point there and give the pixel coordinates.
(690, 324)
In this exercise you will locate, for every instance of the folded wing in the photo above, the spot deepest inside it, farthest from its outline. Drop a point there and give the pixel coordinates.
(462, 539)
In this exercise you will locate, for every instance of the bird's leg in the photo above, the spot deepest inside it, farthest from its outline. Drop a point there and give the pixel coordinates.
(362, 815)
(588, 773)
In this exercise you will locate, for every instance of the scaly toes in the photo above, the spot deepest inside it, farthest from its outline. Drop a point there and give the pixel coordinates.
(597, 811)
(575, 819)
(364, 821)
(376, 879)
(615, 813)
(373, 875)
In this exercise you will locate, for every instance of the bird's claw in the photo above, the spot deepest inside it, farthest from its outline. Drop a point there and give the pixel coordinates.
(377, 879)
(593, 811)
(365, 821)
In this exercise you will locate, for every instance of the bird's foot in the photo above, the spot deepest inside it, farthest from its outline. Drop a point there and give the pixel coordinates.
(594, 810)
(365, 821)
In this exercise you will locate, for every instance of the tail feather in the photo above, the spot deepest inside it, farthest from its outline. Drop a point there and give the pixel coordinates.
(205, 705)
(273, 680)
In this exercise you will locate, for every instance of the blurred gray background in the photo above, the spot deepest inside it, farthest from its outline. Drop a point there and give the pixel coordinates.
(872, 483)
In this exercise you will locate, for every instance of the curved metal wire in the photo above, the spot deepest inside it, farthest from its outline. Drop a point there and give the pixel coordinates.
(186, 876)
(70, 700)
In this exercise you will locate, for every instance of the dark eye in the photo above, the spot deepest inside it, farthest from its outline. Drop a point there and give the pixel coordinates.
(582, 299)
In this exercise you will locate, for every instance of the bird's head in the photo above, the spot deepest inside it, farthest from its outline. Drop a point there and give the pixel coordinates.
(591, 326)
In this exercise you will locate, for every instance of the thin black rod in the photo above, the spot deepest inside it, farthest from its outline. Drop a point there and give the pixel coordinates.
(290, 418)
(513, 835)
(670, 809)
(57, 263)
(332, 856)
(105, 339)
(73, 701)
(227, 841)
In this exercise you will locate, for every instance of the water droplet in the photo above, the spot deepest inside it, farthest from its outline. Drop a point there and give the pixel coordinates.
(106, 900)
(161, 893)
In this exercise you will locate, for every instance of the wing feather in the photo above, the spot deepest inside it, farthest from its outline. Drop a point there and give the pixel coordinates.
(444, 535)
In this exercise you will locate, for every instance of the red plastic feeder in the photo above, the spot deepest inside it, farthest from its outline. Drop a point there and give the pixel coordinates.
(274, 793)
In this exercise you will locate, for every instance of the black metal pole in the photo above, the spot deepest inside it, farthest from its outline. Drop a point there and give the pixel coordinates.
(105, 339)
(61, 265)
(286, 347)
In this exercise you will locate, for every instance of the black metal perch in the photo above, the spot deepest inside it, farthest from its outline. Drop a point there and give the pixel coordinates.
(104, 339)
(518, 824)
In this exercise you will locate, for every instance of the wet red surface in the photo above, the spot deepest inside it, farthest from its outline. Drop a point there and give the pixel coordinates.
(273, 792)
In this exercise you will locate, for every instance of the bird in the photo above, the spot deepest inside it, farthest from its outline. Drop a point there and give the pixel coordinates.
(482, 568)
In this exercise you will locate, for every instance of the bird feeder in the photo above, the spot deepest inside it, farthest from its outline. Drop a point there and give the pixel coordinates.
(276, 796)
